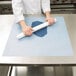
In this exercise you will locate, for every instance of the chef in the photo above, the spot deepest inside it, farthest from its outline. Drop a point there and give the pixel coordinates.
(31, 7)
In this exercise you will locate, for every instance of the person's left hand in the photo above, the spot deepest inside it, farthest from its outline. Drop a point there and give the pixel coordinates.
(50, 20)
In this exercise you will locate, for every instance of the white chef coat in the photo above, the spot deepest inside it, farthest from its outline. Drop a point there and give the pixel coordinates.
(21, 7)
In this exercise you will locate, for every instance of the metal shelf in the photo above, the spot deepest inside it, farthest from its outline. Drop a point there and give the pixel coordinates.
(5, 2)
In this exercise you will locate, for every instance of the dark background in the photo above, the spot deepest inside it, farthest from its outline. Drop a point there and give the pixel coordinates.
(57, 6)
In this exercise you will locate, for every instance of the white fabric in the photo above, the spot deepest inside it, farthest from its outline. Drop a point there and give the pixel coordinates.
(21, 7)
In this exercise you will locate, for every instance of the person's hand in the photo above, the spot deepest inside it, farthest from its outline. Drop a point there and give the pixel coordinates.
(50, 20)
(27, 30)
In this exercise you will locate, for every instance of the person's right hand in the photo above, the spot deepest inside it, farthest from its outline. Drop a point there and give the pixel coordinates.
(27, 30)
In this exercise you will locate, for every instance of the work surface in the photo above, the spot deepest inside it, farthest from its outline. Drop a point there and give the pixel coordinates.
(64, 57)
(56, 42)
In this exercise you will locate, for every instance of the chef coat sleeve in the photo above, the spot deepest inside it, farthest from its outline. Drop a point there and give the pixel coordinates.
(45, 5)
(17, 10)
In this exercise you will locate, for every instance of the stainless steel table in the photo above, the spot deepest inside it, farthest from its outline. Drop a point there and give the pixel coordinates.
(6, 22)
(5, 27)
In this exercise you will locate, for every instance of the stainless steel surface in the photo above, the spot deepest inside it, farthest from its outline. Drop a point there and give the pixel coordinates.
(5, 2)
(62, 1)
(70, 20)
(63, 71)
(4, 70)
(43, 71)
(52, 1)
(34, 71)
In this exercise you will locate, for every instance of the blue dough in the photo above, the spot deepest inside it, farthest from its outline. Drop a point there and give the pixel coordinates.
(42, 32)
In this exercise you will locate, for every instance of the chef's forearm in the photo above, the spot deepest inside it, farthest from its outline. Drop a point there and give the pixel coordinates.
(22, 23)
(48, 14)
